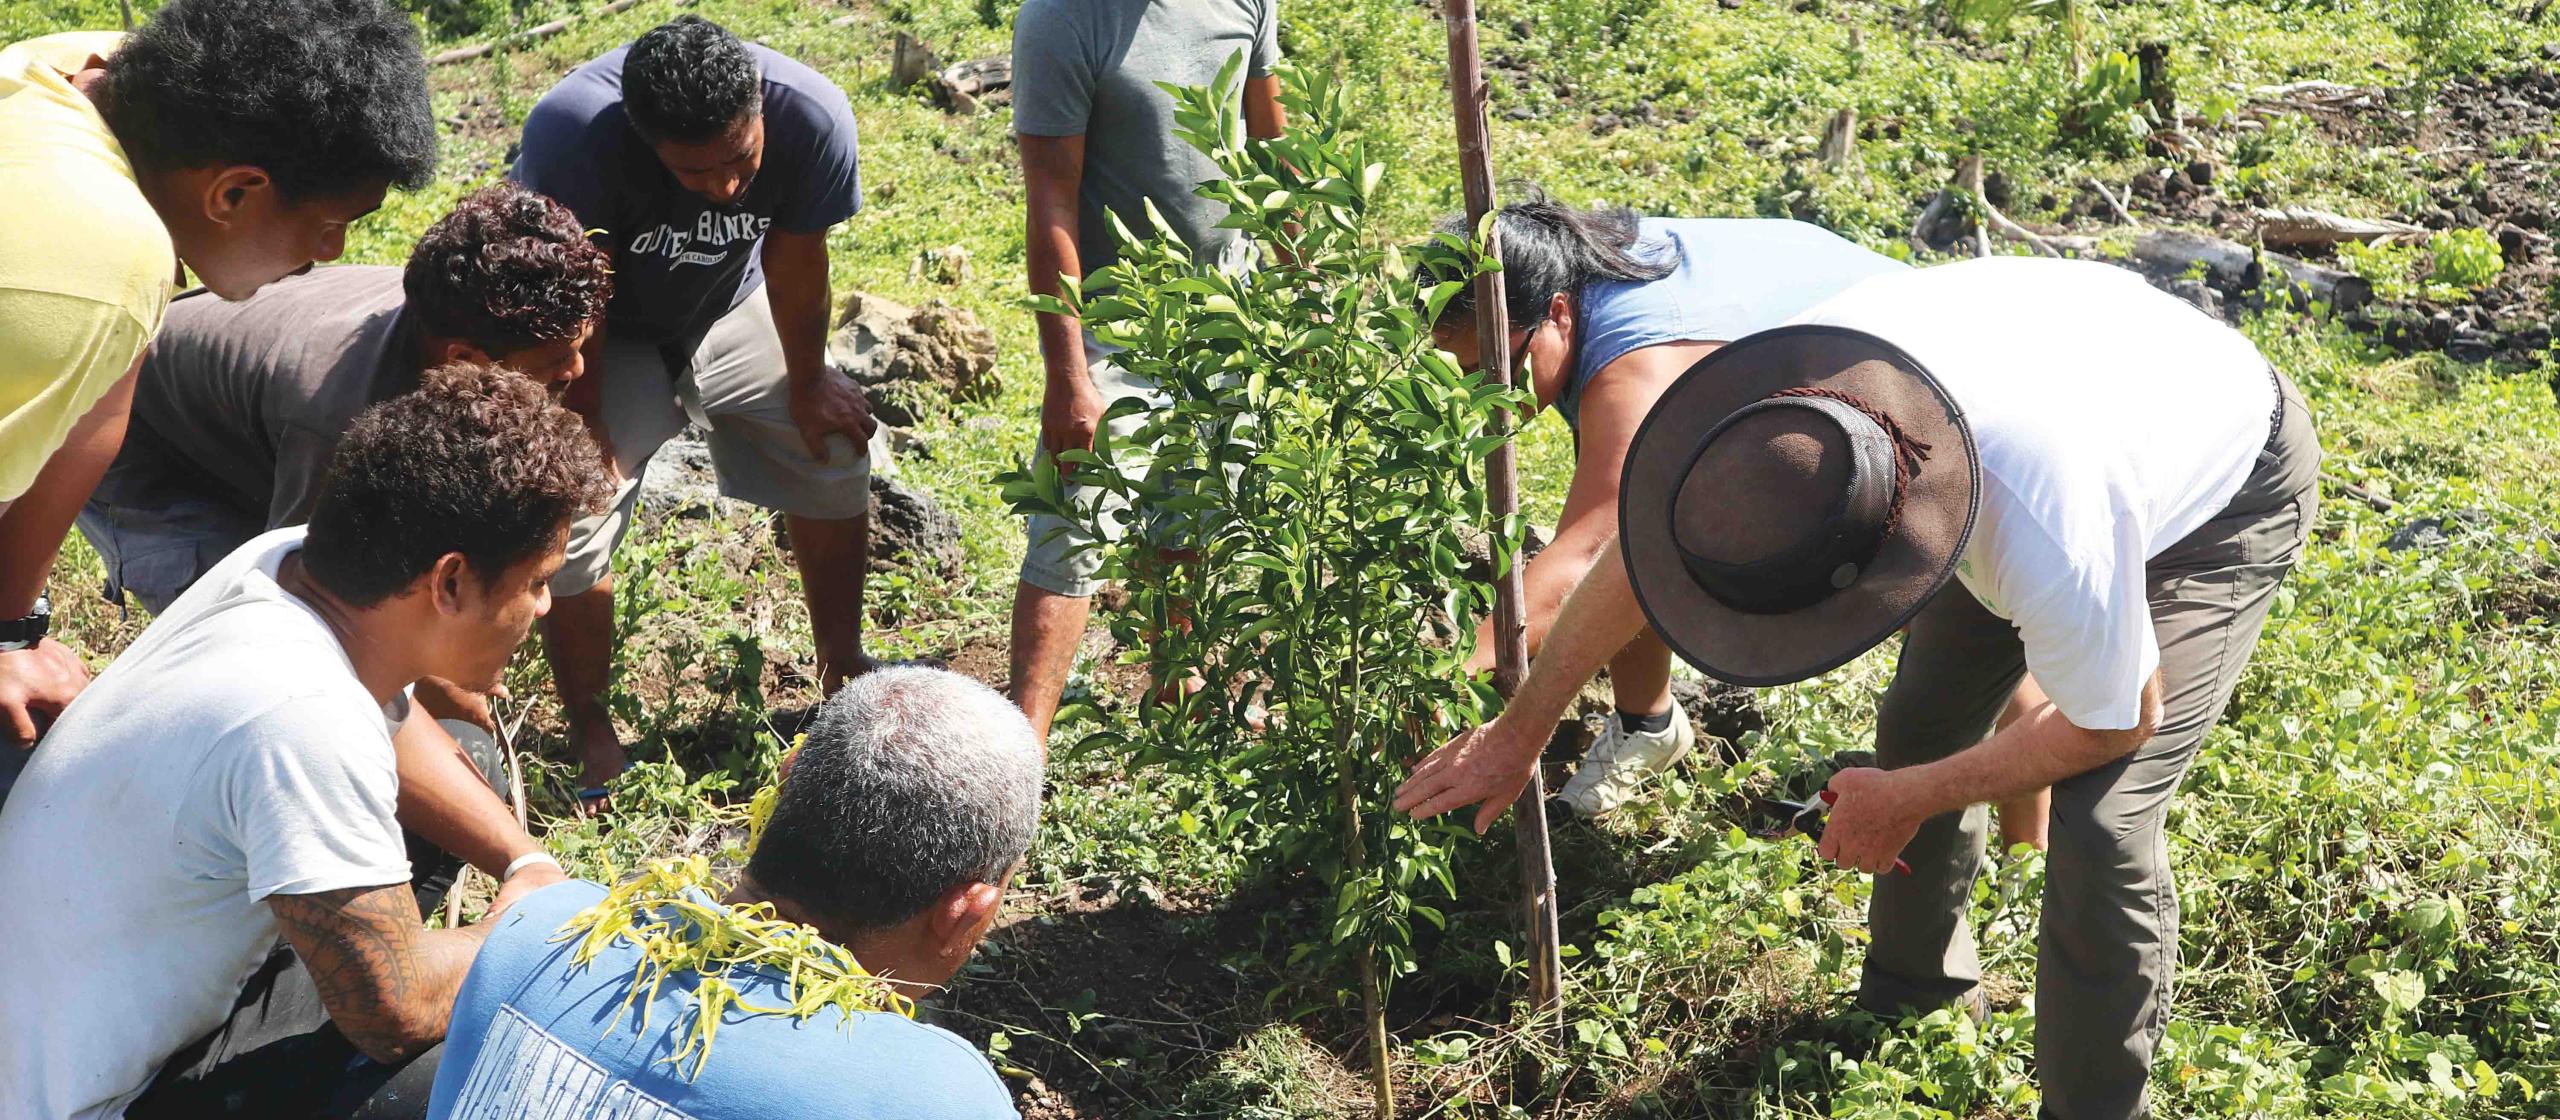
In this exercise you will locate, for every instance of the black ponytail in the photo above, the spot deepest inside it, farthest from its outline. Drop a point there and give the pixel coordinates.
(1548, 247)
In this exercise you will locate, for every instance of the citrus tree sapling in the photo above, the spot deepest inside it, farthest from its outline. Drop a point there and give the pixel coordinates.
(1288, 517)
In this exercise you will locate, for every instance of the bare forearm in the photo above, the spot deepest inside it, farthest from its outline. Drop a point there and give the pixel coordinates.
(2033, 751)
(1545, 584)
(1052, 255)
(796, 283)
(387, 983)
(1263, 117)
(1597, 620)
(32, 528)
(444, 799)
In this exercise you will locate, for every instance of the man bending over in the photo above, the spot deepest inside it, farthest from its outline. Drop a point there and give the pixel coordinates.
(239, 405)
(238, 137)
(711, 170)
(231, 780)
(901, 820)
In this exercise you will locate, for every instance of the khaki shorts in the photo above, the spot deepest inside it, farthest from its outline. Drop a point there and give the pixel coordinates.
(1060, 557)
(733, 386)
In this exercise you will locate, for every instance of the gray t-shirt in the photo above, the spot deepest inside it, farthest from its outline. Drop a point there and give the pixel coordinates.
(242, 403)
(1090, 68)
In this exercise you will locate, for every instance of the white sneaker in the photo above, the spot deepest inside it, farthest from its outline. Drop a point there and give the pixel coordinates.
(1619, 761)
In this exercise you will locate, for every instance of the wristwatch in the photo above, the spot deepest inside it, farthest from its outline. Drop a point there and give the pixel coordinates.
(23, 633)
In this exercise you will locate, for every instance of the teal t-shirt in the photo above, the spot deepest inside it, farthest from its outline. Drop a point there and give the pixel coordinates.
(535, 1035)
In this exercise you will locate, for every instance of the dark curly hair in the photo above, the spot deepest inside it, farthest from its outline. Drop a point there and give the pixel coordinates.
(507, 269)
(1549, 247)
(477, 461)
(689, 80)
(327, 96)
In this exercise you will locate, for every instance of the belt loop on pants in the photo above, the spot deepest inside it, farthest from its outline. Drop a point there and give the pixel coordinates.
(2275, 418)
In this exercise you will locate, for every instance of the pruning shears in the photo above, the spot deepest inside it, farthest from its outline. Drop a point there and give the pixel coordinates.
(1806, 817)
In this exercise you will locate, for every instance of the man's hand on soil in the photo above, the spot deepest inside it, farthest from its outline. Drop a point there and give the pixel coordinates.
(38, 681)
(1486, 766)
(829, 404)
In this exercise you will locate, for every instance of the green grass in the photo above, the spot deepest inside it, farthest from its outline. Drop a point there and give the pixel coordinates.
(2365, 848)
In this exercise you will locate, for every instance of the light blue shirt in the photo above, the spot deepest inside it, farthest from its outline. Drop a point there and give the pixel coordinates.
(535, 1035)
(1734, 277)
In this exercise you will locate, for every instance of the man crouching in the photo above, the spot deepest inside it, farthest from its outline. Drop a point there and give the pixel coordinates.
(230, 778)
(900, 821)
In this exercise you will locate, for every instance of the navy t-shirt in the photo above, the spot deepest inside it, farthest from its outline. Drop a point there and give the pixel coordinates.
(534, 1034)
(680, 262)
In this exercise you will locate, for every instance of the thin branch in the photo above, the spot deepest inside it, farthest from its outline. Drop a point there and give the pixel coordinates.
(1987, 215)
(537, 31)
(2123, 213)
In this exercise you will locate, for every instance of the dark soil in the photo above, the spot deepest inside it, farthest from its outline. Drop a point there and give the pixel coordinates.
(2518, 201)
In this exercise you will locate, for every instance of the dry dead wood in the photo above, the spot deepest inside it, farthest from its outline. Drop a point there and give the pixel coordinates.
(2297, 227)
(1839, 150)
(537, 31)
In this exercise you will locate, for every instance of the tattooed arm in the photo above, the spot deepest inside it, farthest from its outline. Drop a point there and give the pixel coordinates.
(387, 982)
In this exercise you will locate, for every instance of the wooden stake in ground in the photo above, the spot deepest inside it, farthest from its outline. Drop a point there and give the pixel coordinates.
(1510, 626)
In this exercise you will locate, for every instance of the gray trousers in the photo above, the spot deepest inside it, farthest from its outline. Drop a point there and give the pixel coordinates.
(2109, 938)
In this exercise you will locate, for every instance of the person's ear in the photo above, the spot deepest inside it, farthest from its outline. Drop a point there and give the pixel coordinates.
(448, 583)
(961, 917)
(1560, 313)
(455, 350)
(231, 193)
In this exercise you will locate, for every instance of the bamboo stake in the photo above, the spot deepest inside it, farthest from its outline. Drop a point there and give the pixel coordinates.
(1468, 93)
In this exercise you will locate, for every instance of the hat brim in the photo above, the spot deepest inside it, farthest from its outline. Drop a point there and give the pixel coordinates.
(1918, 555)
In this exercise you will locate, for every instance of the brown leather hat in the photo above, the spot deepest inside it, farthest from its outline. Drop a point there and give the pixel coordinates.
(1792, 500)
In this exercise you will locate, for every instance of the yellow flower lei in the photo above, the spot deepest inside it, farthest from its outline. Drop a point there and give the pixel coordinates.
(661, 912)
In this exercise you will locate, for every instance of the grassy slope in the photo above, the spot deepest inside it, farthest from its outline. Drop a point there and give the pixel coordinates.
(2364, 851)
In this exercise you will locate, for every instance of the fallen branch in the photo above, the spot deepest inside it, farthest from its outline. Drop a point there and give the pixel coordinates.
(2378, 503)
(2318, 96)
(2296, 227)
(537, 31)
(2117, 205)
(1970, 173)
(2170, 255)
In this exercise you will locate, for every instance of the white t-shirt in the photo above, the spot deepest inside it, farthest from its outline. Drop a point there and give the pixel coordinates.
(2112, 419)
(230, 754)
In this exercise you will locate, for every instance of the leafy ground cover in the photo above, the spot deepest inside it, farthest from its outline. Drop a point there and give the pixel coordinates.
(2365, 852)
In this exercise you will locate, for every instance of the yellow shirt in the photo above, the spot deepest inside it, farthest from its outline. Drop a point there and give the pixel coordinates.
(85, 265)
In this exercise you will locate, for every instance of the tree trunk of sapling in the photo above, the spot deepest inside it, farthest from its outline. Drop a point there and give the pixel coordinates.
(1355, 862)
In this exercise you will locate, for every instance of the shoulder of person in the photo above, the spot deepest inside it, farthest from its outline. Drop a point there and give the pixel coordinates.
(587, 98)
(958, 1074)
(1051, 25)
(537, 918)
(804, 93)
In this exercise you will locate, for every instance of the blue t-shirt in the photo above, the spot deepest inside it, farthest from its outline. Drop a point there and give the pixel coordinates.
(535, 1035)
(1735, 276)
(680, 262)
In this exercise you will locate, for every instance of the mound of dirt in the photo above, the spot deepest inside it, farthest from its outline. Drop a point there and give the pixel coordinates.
(909, 529)
(914, 361)
(679, 482)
